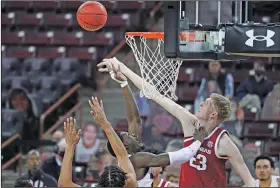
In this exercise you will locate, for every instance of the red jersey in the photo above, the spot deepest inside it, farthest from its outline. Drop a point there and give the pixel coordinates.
(163, 183)
(206, 168)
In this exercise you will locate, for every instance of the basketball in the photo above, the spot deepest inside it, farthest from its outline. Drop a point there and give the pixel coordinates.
(92, 15)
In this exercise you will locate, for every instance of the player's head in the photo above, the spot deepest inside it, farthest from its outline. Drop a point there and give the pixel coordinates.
(214, 67)
(259, 67)
(156, 171)
(33, 161)
(216, 107)
(23, 183)
(264, 167)
(130, 142)
(172, 177)
(112, 176)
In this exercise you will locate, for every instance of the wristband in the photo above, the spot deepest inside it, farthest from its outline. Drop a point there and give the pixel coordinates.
(124, 84)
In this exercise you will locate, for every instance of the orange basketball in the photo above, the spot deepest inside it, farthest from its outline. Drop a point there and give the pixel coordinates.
(91, 15)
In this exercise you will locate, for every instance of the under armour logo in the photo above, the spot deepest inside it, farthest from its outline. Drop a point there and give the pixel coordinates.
(267, 38)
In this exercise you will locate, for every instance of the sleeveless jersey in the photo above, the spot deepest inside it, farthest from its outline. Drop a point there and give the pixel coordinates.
(163, 183)
(206, 168)
(274, 182)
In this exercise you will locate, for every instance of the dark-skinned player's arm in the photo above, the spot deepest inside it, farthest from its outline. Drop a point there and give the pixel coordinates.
(227, 149)
(144, 159)
(99, 116)
(72, 137)
(182, 114)
(132, 112)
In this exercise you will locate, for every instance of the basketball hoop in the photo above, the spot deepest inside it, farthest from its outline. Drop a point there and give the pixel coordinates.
(159, 73)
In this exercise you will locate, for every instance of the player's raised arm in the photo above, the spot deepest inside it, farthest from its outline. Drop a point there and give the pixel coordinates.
(226, 148)
(71, 137)
(187, 119)
(117, 145)
(132, 112)
(144, 159)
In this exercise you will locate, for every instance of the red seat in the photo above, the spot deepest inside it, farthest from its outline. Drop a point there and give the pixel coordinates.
(19, 5)
(109, 5)
(121, 125)
(56, 20)
(116, 21)
(36, 38)
(50, 53)
(82, 53)
(186, 93)
(185, 76)
(70, 5)
(272, 148)
(257, 129)
(19, 52)
(65, 38)
(44, 5)
(130, 5)
(6, 21)
(240, 75)
(23, 19)
(96, 39)
(10, 38)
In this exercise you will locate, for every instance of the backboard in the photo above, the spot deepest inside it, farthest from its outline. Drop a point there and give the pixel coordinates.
(212, 25)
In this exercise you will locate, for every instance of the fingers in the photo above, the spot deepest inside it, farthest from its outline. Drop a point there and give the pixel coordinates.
(79, 133)
(101, 102)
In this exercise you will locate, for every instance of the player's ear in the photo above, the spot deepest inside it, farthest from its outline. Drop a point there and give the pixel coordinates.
(214, 114)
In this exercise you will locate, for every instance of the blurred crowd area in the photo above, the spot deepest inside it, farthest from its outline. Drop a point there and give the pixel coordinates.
(47, 57)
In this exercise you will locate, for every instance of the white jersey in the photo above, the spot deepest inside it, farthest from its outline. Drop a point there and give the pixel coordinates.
(146, 181)
(274, 181)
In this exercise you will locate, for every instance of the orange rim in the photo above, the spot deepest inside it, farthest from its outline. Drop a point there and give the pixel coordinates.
(148, 35)
(185, 36)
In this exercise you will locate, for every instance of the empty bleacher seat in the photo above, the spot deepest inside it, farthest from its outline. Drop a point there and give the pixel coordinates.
(12, 122)
(130, 5)
(260, 129)
(67, 70)
(57, 20)
(33, 68)
(272, 148)
(6, 20)
(186, 75)
(11, 67)
(82, 53)
(117, 21)
(70, 5)
(51, 52)
(44, 5)
(48, 89)
(11, 37)
(36, 38)
(66, 38)
(186, 93)
(97, 39)
(23, 19)
(20, 52)
(16, 5)
(20, 82)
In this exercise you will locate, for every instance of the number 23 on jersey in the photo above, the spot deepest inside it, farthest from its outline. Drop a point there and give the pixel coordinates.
(198, 162)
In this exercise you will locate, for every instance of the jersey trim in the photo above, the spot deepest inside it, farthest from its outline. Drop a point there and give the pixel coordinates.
(216, 145)
(191, 138)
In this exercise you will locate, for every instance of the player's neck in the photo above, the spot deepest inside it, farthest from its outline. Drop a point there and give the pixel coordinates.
(265, 183)
(209, 126)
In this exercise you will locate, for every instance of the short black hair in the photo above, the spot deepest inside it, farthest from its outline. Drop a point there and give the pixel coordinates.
(112, 176)
(264, 157)
(109, 146)
(23, 183)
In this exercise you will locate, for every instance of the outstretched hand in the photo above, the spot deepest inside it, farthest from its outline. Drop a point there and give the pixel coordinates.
(199, 134)
(98, 113)
(109, 64)
(116, 74)
(71, 135)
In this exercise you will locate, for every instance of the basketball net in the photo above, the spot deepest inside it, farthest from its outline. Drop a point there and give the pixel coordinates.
(159, 73)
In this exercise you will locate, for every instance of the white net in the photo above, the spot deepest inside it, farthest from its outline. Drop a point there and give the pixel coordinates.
(159, 73)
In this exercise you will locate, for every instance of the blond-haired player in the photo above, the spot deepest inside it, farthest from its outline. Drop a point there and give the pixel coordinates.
(207, 167)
